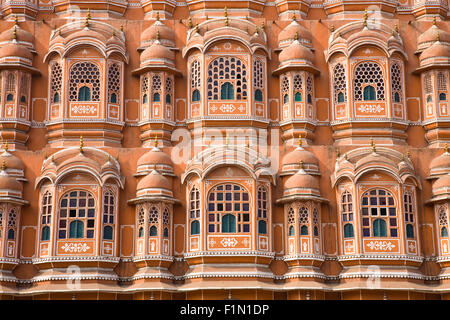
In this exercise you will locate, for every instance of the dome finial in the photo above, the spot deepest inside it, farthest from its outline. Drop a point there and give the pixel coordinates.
(296, 36)
(16, 20)
(3, 165)
(196, 28)
(332, 28)
(294, 18)
(190, 23)
(372, 143)
(438, 37)
(88, 17)
(300, 142)
(6, 146)
(338, 153)
(434, 21)
(157, 15)
(15, 34)
(365, 18)
(157, 35)
(225, 12)
(300, 164)
(81, 144)
(446, 148)
(155, 143)
(345, 156)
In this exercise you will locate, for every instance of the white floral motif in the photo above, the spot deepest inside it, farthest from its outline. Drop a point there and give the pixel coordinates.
(75, 247)
(371, 108)
(84, 109)
(229, 242)
(381, 245)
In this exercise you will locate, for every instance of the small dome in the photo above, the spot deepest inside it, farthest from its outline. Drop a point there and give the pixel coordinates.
(374, 158)
(157, 51)
(301, 180)
(154, 157)
(292, 31)
(157, 30)
(154, 180)
(86, 33)
(81, 160)
(431, 34)
(299, 154)
(438, 49)
(364, 33)
(296, 51)
(15, 50)
(113, 40)
(20, 35)
(442, 182)
(11, 161)
(9, 183)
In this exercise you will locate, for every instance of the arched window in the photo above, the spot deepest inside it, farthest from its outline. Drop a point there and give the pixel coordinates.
(348, 230)
(298, 97)
(77, 206)
(168, 99)
(369, 93)
(195, 227)
(339, 83)
(227, 91)
(315, 218)
(194, 210)
(309, 98)
(153, 221)
(378, 205)
(262, 208)
(114, 80)
(46, 213)
(408, 209)
(442, 97)
(291, 231)
(379, 228)
(291, 222)
(409, 231)
(45, 233)
(258, 95)
(144, 88)
(316, 231)
(55, 82)
(286, 98)
(108, 212)
(11, 234)
(165, 223)
(429, 99)
(76, 229)
(396, 82)
(23, 99)
(285, 89)
(304, 230)
(156, 88)
(303, 220)
(195, 80)
(107, 233)
(9, 97)
(231, 200)
(443, 222)
(368, 82)
(84, 82)
(153, 231)
(228, 223)
(141, 222)
(262, 227)
(196, 95)
(12, 220)
(84, 94)
(225, 70)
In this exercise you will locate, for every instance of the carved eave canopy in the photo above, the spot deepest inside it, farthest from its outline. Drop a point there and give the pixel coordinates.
(205, 34)
(351, 36)
(105, 38)
(92, 161)
(251, 161)
(356, 163)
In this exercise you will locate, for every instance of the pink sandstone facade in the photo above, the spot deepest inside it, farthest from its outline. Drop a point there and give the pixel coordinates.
(287, 149)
